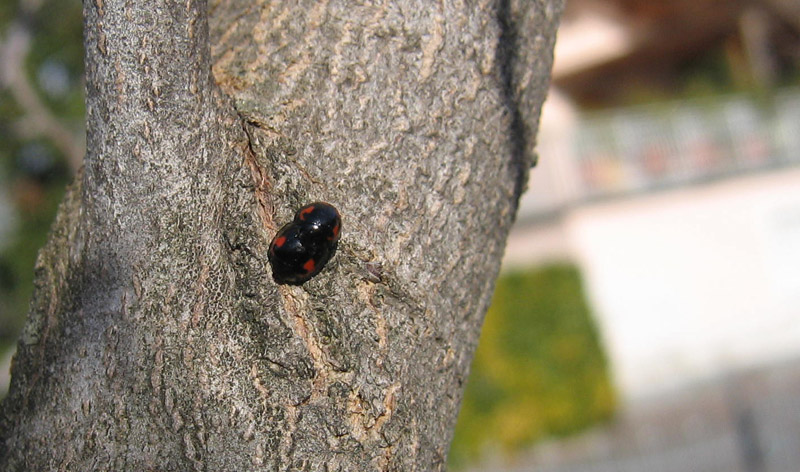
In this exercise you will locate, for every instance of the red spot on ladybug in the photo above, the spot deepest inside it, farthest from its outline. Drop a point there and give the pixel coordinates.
(305, 211)
(335, 234)
(309, 265)
(279, 241)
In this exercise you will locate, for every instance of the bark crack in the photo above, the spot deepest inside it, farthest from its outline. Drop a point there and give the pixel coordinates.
(261, 180)
(325, 372)
(364, 427)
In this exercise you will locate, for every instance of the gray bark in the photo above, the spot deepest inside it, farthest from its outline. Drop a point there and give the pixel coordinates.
(156, 338)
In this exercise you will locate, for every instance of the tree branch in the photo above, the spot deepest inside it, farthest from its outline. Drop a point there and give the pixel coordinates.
(147, 67)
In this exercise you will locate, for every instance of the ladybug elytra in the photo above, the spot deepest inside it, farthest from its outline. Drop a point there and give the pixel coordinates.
(301, 248)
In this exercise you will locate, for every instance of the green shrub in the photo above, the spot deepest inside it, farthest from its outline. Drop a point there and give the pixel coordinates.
(539, 369)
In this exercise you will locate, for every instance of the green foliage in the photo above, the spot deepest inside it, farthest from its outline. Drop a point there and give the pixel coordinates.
(539, 369)
(58, 38)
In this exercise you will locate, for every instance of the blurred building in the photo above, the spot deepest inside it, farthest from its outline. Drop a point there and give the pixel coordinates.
(607, 49)
(669, 172)
(684, 216)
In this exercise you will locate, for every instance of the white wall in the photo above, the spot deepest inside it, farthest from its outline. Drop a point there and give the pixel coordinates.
(691, 283)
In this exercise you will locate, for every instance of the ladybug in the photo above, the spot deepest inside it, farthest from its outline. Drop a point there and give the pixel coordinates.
(302, 248)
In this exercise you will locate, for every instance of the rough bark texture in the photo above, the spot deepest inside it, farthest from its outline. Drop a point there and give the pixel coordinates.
(157, 339)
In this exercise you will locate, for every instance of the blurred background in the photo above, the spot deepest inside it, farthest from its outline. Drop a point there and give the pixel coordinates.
(648, 313)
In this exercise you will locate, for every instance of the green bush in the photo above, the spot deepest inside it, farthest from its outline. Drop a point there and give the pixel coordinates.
(539, 369)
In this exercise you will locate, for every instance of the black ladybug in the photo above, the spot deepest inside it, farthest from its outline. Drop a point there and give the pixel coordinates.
(302, 248)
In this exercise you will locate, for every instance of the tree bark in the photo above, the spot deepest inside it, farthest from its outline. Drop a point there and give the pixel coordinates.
(157, 339)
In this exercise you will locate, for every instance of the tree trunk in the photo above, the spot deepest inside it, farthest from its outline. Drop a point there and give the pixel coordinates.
(157, 339)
